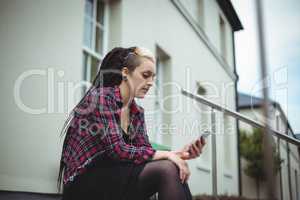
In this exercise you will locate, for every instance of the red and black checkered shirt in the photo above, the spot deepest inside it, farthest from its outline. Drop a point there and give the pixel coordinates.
(95, 131)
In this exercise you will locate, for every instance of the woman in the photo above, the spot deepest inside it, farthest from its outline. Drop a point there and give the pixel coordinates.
(106, 153)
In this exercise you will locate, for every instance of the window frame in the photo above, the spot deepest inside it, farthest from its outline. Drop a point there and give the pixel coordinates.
(223, 38)
(199, 16)
(91, 52)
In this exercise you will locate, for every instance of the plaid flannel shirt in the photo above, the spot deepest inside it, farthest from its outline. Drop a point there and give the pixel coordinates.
(95, 131)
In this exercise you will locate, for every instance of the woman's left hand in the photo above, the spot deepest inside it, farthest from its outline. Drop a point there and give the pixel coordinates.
(193, 150)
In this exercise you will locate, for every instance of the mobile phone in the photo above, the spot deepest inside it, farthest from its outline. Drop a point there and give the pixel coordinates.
(205, 134)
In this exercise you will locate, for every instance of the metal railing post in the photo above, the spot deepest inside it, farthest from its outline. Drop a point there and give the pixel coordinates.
(267, 138)
(214, 154)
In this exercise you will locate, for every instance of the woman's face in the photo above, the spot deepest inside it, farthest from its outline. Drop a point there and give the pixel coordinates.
(141, 79)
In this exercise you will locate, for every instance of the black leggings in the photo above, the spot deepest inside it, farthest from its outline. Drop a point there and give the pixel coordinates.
(159, 176)
(162, 176)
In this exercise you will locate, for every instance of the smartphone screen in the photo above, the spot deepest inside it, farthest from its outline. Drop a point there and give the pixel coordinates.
(205, 135)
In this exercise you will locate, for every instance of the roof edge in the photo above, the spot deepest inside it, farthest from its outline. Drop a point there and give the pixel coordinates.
(274, 103)
(231, 14)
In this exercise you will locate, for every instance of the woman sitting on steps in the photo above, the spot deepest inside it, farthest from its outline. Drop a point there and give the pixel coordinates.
(106, 153)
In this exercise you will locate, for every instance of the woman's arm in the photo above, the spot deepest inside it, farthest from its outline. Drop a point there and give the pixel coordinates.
(182, 165)
(161, 155)
(190, 151)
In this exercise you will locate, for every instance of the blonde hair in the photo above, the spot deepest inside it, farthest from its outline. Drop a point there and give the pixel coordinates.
(144, 52)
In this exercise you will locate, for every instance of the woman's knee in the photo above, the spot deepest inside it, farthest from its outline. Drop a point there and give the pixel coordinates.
(168, 169)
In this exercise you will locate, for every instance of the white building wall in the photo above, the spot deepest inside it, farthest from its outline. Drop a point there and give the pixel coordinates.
(295, 167)
(212, 29)
(47, 35)
(44, 36)
(153, 24)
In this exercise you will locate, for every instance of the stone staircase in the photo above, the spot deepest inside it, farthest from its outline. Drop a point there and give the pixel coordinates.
(11, 195)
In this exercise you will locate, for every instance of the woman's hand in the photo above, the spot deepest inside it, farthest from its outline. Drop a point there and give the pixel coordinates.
(192, 150)
(184, 171)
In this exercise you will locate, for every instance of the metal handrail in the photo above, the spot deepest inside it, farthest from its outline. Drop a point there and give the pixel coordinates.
(239, 116)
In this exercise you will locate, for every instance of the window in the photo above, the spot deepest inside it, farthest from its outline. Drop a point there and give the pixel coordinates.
(161, 119)
(222, 38)
(277, 125)
(195, 8)
(163, 104)
(95, 29)
(90, 64)
(159, 96)
(201, 13)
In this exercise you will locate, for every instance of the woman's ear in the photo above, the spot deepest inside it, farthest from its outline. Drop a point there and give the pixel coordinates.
(125, 71)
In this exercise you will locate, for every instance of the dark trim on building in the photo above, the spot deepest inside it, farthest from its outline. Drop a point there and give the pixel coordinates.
(249, 106)
(289, 171)
(230, 13)
(237, 121)
(280, 169)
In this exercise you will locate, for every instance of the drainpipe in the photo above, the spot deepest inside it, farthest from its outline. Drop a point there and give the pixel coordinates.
(237, 121)
(280, 169)
(279, 153)
(289, 171)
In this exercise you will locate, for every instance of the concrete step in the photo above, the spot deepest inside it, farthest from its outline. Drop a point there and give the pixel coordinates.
(11, 195)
